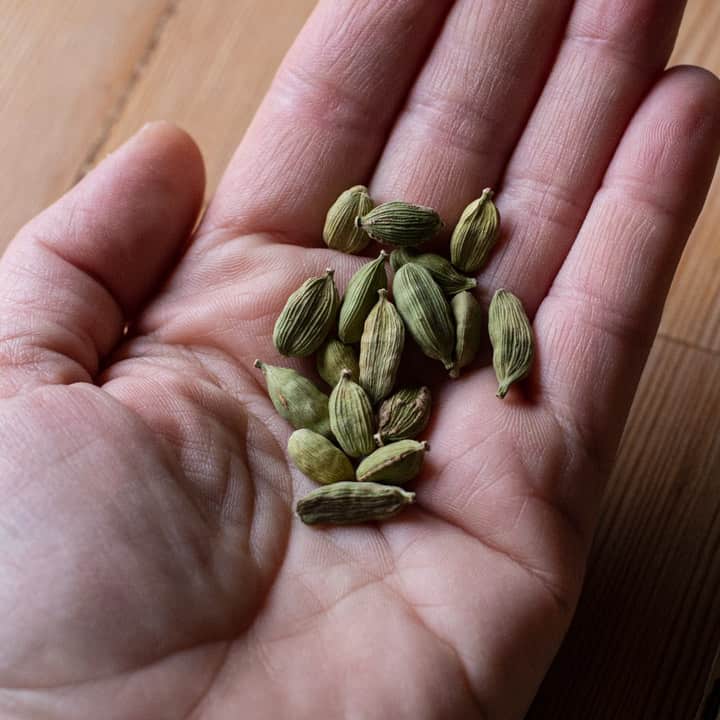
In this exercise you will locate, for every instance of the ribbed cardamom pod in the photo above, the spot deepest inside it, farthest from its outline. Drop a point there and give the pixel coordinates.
(512, 340)
(400, 223)
(332, 358)
(316, 457)
(404, 415)
(468, 330)
(296, 398)
(475, 234)
(441, 269)
(347, 503)
(426, 312)
(395, 463)
(402, 256)
(351, 417)
(340, 232)
(381, 348)
(307, 317)
(360, 296)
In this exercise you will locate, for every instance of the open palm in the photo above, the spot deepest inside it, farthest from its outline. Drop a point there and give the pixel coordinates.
(151, 564)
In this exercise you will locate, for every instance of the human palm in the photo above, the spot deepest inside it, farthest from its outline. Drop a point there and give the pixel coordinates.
(152, 567)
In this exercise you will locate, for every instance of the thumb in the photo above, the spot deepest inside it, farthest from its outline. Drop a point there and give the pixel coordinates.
(76, 272)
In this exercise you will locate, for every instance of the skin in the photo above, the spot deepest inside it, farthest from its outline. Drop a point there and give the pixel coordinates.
(151, 565)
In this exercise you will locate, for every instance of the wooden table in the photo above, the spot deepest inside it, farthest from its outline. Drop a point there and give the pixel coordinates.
(79, 76)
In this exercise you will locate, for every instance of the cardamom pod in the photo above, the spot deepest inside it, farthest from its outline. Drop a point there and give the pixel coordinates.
(400, 223)
(316, 457)
(395, 463)
(340, 232)
(360, 296)
(512, 340)
(404, 415)
(475, 234)
(426, 312)
(441, 269)
(402, 256)
(351, 417)
(346, 503)
(381, 348)
(296, 399)
(468, 330)
(332, 358)
(307, 317)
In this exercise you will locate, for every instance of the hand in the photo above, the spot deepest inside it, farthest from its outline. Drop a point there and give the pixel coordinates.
(151, 564)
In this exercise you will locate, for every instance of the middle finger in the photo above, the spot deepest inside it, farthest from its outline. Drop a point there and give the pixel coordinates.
(470, 102)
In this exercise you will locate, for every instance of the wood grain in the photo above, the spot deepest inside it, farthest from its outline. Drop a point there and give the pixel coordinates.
(66, 67)
(212, 67)
(79, 77)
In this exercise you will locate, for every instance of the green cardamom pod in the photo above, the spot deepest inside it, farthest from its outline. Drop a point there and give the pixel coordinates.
(351, 417)
(332, 358)
(340, 232)
(426, 312)
(395, 463)
(360, 296)
(347, 503)
(468, 330)
(296, 399)
(404, 415)
(381, 348)
(307, 317)
(402, 256)
(512, 340)
(475, 234)
(441, 269)
(316, 457)
(399, 223)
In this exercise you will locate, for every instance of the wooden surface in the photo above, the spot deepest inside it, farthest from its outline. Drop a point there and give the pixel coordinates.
(79, 76)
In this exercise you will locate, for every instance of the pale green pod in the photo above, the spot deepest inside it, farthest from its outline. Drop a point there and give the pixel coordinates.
(395, 463)
(400, 223)
(316, 457)
(308, 317)
(475, 234)
(441, 269)
(468, 330)
(381, 349)
(340, 231)
(348, 503)
(512, 340)
(332, 358)
(402, 256)
(404, 415)
(360, 296)
(426, 312)
(351, 417)
(296, 398)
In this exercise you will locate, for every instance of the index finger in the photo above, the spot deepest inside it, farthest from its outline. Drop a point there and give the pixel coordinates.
(325, 119)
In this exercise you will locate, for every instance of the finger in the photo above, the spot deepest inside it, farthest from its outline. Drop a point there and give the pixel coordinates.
(611, 55)
(79, 270)
(326, 117)
(470, 103)
(596, 326)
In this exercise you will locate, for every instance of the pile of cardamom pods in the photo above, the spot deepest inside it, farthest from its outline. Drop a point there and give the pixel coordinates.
(360, 443)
